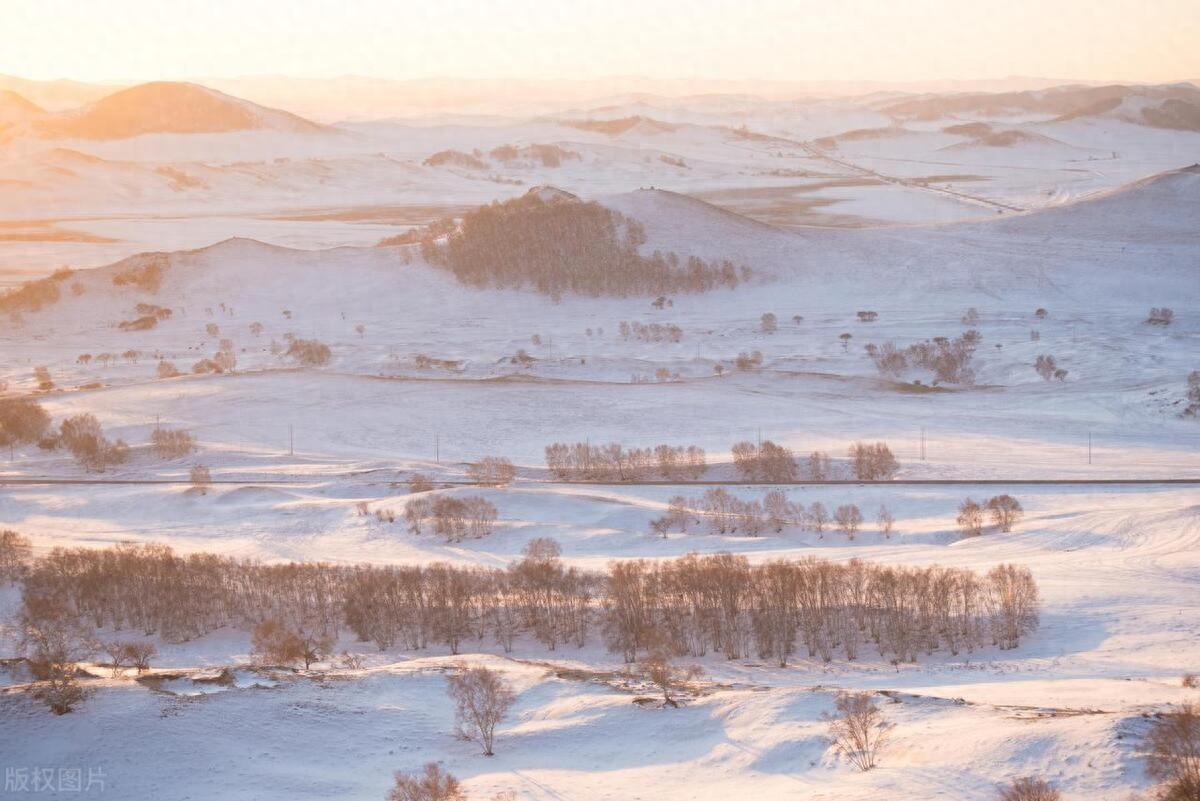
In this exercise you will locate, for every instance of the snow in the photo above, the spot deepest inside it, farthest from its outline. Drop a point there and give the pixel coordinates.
(282, 233)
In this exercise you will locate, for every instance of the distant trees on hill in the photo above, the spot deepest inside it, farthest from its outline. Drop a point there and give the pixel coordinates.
(582, 461)
(561, 246)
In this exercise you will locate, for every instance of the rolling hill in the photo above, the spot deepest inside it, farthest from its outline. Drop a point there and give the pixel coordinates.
(166, 107)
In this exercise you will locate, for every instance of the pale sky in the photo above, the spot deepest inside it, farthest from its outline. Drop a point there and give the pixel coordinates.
(801, 40)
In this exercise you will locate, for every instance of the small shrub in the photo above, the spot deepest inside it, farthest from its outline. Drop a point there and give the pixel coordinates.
(431, 784)
(1029, 789)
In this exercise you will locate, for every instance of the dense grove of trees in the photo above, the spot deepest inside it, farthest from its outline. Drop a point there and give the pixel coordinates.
(560, 246)
(582, 461)
(948, 359)
(690, 605)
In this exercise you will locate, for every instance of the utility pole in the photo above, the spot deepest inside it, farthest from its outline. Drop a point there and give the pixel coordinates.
(291, 440)
(922, 444)
(437, 448)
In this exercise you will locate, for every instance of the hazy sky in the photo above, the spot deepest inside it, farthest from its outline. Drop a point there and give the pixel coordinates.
(901, 40)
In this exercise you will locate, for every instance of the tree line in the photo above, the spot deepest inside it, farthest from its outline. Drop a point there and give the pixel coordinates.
(690, 605)
(764, 462)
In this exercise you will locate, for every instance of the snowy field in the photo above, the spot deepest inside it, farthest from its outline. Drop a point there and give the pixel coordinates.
(1093, 221)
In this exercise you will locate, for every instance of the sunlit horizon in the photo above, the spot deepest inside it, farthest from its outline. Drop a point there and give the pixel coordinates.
(132, 41)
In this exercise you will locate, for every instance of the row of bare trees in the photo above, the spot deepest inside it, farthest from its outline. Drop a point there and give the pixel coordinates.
(582, 461)
(690, 605)
(722, 603)
(720, 512)
(763, 462)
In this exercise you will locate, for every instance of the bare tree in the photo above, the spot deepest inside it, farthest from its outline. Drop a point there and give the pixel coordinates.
(818, 466)
(15, 552)
(858, 728)
(1006, 511)
(22, 420)
(419, 482)
(873, 462)
(885, 521)
(769, 323)
(481, 698)
(431, 784)
(970, 518)
(1173, 753)
(848, 518)
(818, 517)
(54, 641)
(200, 478)
(1029, 789)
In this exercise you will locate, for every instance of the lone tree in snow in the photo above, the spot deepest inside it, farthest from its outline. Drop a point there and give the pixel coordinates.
(1006, 511)
(770, 324)
(200, 478)
(970, 518)
(431, 784)
(885, 521)
(15, 552)
(848, 518)
(481, 699)
(858, 729)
